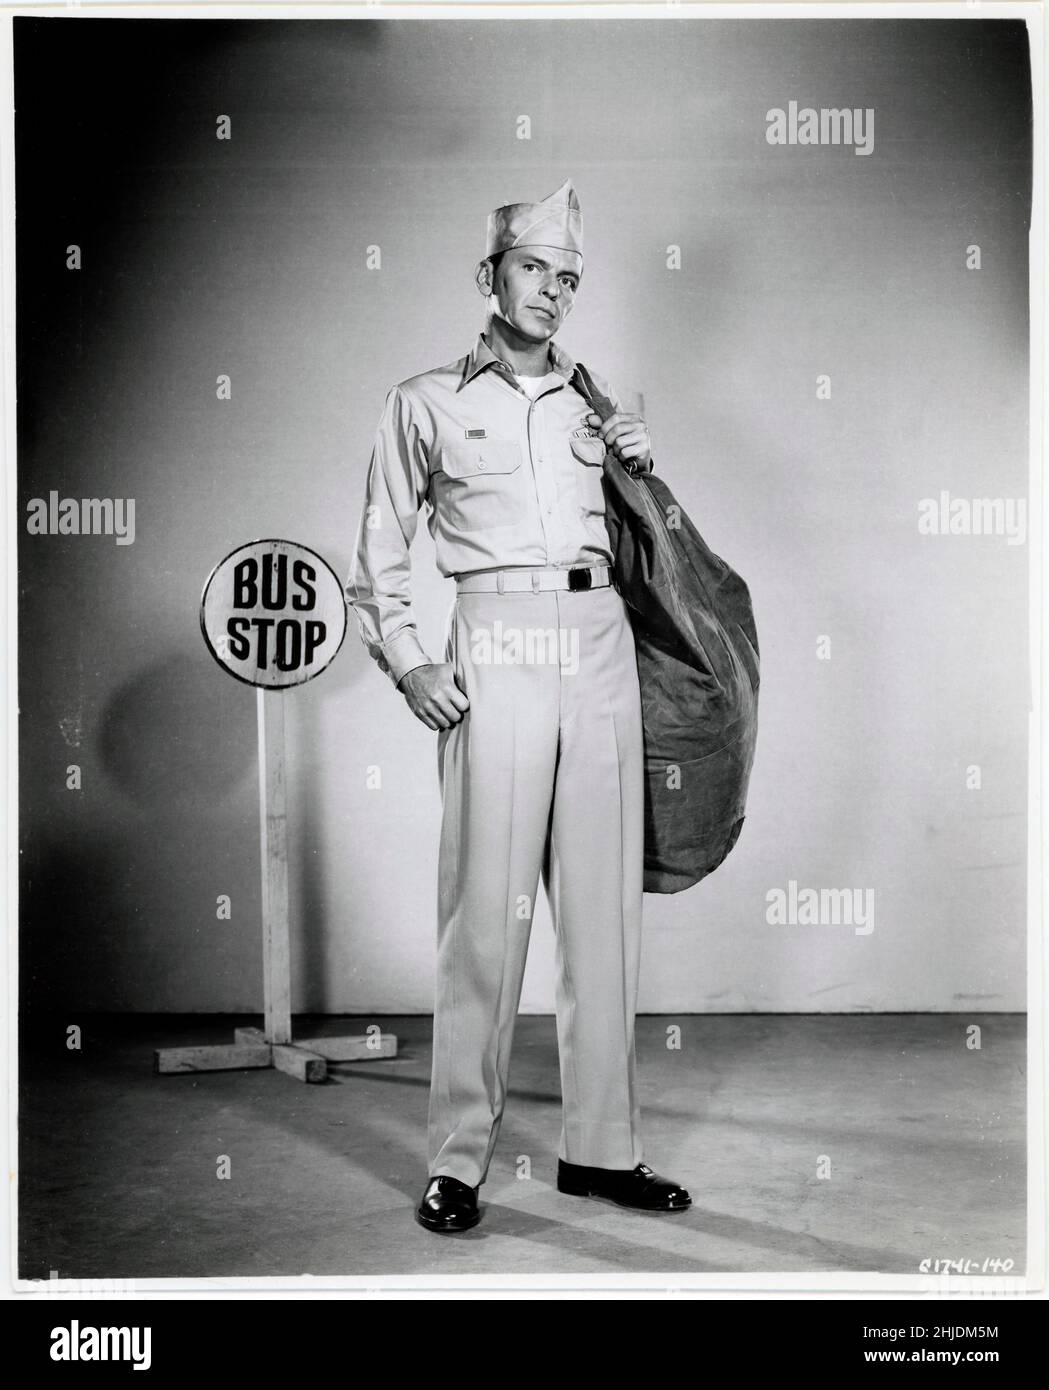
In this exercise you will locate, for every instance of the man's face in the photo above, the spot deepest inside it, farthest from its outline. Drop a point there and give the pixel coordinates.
(534, 289)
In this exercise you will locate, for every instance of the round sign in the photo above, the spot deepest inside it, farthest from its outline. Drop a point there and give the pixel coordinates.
(273, 613)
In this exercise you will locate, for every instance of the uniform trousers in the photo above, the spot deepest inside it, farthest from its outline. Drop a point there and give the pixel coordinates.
(542, 777)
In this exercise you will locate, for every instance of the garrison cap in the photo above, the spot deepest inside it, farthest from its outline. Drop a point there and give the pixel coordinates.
(556, 221)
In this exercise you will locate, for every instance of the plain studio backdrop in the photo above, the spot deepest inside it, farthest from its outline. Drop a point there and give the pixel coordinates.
(248, 257)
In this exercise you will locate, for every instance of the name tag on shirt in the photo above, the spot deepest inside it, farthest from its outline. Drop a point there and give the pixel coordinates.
(476, 434)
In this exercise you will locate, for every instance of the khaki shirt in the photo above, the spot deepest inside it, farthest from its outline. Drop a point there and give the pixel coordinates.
(506, 481)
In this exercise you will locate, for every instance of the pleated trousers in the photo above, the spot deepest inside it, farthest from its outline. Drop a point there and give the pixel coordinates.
(541, 779)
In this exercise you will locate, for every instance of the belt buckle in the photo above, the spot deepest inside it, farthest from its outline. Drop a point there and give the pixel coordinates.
(579, 579)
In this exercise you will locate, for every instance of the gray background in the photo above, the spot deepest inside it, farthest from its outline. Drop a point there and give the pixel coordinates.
(248, 257)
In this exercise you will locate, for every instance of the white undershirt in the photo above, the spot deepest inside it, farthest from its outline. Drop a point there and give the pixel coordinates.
(532, 385)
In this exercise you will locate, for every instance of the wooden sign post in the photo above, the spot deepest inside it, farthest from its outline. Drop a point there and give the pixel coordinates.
(273, 614)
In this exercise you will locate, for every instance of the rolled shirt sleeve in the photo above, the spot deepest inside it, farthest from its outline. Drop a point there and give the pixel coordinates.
(379, 584)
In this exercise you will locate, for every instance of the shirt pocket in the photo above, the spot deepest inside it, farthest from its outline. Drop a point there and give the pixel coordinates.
(482, 484)
(589, 454)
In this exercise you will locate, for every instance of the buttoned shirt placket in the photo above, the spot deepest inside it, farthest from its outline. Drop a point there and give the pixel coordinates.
(541, 460)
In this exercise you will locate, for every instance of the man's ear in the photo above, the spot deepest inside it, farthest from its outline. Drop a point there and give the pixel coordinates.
(485, 277)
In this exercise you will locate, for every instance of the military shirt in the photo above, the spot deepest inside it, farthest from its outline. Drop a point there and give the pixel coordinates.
(506, 481)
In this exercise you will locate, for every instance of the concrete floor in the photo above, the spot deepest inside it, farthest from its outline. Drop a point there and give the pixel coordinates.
(925, 1140)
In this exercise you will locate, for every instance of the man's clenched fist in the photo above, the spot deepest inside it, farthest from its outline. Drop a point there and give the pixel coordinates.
(433, 695)
(626, 435)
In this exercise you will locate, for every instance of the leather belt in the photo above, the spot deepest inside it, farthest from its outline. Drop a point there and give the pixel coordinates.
(523, 581)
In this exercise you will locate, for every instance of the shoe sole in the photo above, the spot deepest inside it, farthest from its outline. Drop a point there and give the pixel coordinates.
(445, 1230)
(628, 1206)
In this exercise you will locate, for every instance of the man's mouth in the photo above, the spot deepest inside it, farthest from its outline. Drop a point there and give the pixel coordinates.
(537, 310)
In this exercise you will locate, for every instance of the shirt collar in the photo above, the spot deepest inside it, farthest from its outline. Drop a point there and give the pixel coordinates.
(482, 356)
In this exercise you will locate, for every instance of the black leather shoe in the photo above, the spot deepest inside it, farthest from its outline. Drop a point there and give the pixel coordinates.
(629, 1187)
(448, 1205)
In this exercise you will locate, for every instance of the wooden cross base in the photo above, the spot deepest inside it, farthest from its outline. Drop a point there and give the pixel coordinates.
(250, 1048)
(271, 1046)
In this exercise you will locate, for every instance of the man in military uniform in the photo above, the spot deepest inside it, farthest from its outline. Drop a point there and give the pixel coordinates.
(537, 710)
